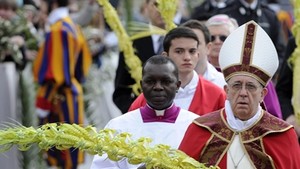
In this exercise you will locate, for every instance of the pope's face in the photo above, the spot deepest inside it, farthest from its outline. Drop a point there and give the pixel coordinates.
(244, 94)
(159, 85)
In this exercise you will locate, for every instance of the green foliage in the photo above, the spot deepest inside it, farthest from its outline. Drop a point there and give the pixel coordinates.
(15, 27)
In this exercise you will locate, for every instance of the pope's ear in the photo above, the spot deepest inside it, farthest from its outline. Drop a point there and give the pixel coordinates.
(264, 92)
(226, 89)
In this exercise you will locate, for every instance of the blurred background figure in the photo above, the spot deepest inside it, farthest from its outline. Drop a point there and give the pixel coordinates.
(284, 87)
(62, 63)
(219, 26)
(99, 85)
(145, 47)
(17, 48)
(8, 87)
(209, 8)
(284, 15)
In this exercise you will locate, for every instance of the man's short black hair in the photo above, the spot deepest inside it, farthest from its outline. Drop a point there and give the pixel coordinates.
(159, 60)
(179, 32)
(195, 24)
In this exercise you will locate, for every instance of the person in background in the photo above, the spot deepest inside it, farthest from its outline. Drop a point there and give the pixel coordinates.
(145, 47)
(60, 68)
(160, 119)
(209, 8)
(195, 94)
(220, 26)
(17, 39)
(83, 14)
(203, 67)
(284, 16)
(243, 135)
(284, 87)
(12, 62)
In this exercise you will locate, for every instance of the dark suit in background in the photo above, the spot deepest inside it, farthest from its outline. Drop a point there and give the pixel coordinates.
(123, 95)
(207, 9)
(284, 86)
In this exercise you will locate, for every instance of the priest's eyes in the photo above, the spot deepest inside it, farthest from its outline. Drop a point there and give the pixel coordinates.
(162, 82)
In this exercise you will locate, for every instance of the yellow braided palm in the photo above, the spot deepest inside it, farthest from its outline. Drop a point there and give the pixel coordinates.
(125, 44)
(116, 145)
(167, 9)
(295, 61)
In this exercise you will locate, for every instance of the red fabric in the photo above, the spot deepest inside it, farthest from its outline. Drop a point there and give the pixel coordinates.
(207, 98)
(43, 103)
(140, 101)
(194, 141)
(283, 147)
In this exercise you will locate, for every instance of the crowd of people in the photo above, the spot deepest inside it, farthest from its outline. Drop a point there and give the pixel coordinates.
(218, 87)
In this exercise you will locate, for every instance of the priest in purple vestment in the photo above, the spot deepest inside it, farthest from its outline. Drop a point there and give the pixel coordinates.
(160, 119)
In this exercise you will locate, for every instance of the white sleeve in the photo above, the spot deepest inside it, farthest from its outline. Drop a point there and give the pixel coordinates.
(103, 162)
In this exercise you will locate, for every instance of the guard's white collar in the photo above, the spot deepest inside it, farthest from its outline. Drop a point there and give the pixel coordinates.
(57, 14)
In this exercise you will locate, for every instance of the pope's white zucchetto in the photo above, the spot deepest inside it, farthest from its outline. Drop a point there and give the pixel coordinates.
(249, 50)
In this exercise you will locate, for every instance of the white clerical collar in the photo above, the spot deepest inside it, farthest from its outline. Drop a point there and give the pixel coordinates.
(238, 124)
(57, 14)
(160, 112)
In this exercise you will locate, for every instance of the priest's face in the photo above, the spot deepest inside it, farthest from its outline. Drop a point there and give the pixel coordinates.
(159, 84)
(244, 94)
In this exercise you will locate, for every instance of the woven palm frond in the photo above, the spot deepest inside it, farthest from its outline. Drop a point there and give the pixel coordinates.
(116, 145)
(138, 30)
(295, 62)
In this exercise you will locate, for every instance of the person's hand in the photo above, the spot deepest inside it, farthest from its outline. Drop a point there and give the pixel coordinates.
(292, 120)
(30, 54)
(18, 40)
